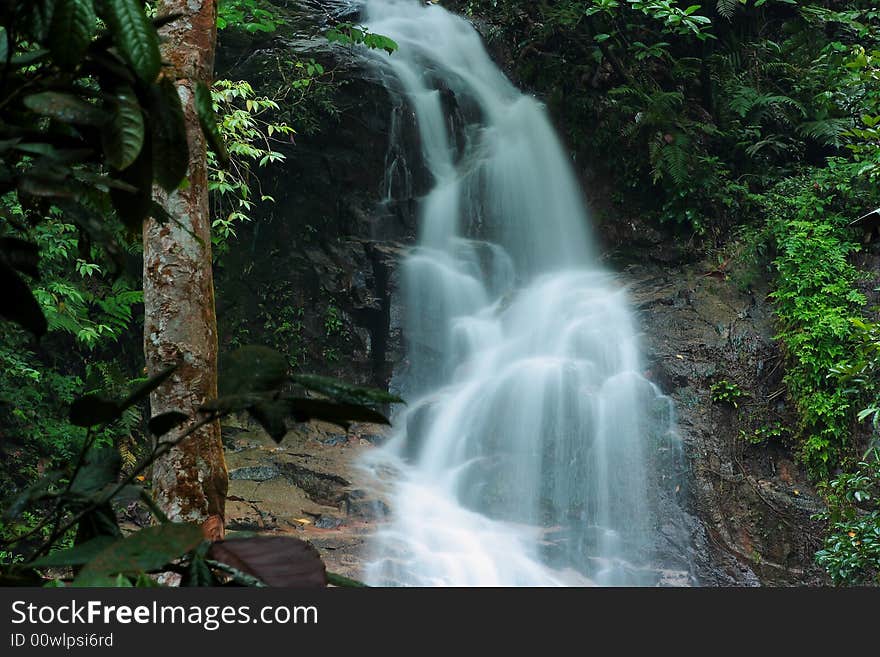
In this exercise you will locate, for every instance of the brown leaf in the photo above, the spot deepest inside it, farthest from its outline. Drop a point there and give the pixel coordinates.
(213, 529)
(275, 560)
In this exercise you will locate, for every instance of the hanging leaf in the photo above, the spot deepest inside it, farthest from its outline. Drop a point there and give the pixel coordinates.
(134, 35)
(232, 403)
(101, 468)
(75, 556)
(66, 108)
(252, 369)
(18, 303)
(4, 44)
(161, 424)
(92, 410)
(101, 521)
(39, 14)
(146, 550)
(271, 416)
(274, 560)
(28, 58)
(123, 138)
(143, 391)
(343, 581)
(74, 25)
(40, 490)
(199, 573)
(344, 392)
(209, 122)
(339, 413)
(168, 134)
(134, 208)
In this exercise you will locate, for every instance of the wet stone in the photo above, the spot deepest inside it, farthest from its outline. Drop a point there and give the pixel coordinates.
(255, 473)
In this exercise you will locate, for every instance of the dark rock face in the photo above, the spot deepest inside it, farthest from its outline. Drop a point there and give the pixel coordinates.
(319, 262)
(752, 502)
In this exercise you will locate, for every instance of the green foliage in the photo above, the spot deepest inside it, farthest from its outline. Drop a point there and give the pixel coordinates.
(78, 499)
(774, 432)
(248, 15)
(251, 139)
(727, 392)
(349, 34)
(816, 301)
(851, 553)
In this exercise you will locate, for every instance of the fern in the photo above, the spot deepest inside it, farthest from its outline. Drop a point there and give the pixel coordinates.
(828, 132)
(671, 161)
(727, 8)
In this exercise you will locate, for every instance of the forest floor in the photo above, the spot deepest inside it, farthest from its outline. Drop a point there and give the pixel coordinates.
(309, 486)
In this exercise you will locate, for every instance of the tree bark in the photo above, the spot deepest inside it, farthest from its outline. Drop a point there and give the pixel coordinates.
(190, 482)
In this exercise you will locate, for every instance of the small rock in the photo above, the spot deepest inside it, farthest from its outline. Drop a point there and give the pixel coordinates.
(255, 473)
(334, 439)
(328, 522)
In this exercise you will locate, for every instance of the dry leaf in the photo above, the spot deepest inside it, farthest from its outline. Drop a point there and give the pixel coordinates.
(213, 528)
(275, 560)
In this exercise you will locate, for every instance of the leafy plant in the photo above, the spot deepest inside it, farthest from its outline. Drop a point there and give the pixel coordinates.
(851, 553)
(726, 392)
(248, 15)
(81, 497)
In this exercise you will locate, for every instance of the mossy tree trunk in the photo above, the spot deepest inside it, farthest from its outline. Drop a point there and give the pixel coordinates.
(190, 482)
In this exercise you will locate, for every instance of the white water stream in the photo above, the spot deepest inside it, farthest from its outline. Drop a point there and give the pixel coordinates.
(528, 452)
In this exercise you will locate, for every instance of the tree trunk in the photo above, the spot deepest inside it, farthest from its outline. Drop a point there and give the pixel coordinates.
(180, 326)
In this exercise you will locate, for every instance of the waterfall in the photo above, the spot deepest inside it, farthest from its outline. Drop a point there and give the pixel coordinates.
(533, 451)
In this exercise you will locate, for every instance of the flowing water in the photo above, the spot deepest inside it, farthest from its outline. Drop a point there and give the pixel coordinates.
(533, 450)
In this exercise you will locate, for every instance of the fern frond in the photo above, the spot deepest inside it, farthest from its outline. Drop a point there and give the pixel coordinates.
(827, 132)
(727, 8)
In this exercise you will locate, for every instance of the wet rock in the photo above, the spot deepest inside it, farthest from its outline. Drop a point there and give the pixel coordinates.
(322, 487)
(746, 526)
(255, 473)
(334, 439)
(328, 522)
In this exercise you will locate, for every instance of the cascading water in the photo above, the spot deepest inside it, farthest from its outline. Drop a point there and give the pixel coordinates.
(533, 451)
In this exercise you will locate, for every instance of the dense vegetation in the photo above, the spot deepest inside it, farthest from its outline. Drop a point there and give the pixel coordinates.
(90, 122)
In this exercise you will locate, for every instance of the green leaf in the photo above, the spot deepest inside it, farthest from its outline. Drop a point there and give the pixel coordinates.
(232, 403)
(123, 138)
(134, 208)
(18, 304)
(101, 468)
(135, 36)
(37, 491)
(252, 369)
(66, 108)
(339, 413)
(92, 410)
(39, 16)
(146, 550)
(342, 581)
(28, 58)
(209, 122)
(344, 392)
(161, 424)
(74, 25)
(144, 389)
(199, 573)
(168, 135)
(270, 415)
(75, 556)
(4, 45)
